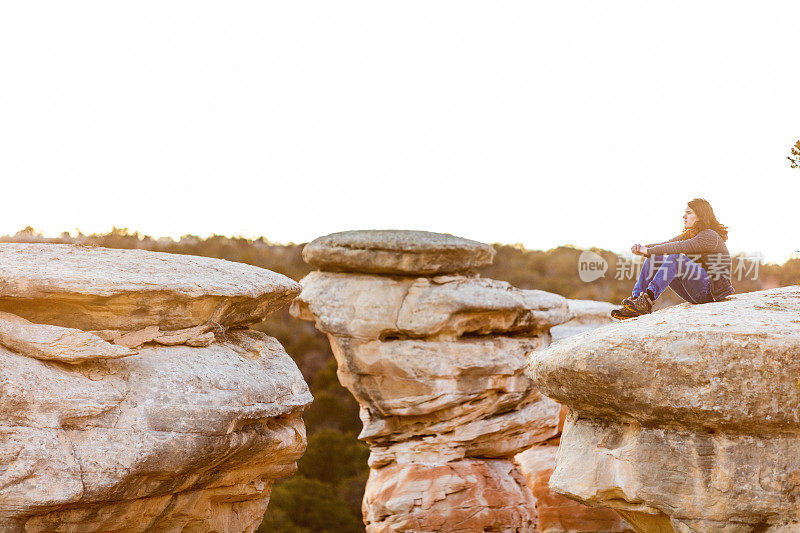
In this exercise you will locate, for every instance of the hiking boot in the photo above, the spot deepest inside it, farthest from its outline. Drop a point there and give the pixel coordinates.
(622, 313)
(628, 301)
(640, 305)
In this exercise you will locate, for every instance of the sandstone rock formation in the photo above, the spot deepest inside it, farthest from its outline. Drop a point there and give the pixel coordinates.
(398, 252)
(686, 419)
(176, 434)
(133, 289)
(557, 513)
(437, 362)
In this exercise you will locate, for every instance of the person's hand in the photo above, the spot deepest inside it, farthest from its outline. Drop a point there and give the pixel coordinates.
(635, 248)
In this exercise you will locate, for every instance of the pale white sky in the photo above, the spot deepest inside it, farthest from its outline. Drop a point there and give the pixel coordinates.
(545, 123)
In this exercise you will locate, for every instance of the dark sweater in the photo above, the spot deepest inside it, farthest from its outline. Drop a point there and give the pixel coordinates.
(709, 250)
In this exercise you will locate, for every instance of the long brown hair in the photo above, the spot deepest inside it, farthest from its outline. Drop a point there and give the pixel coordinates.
(705, 220)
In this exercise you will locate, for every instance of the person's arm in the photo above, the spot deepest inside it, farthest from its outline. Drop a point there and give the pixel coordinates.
(704, 242)
(678, 238)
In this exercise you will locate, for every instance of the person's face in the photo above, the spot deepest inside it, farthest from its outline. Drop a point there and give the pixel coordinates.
(689, 218)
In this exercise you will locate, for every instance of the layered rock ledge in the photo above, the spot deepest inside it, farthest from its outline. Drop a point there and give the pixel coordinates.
(133, 396)
(93, 288)
(686, 419)
(436, 358)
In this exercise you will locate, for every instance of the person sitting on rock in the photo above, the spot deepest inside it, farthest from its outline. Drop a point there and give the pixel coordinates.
(696, 264)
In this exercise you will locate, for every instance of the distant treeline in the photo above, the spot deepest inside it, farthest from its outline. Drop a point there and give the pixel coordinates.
(325, 495)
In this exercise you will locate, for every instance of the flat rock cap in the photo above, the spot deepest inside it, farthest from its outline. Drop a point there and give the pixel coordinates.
(732, 365)
(399, 252)
(89, 287)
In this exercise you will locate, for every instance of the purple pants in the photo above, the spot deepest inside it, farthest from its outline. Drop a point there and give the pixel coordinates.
(687, 278)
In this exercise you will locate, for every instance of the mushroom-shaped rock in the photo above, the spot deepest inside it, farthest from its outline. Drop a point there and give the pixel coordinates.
(437, 360)
(92, 288)
(686, 419)
(188, 433)
(398, 252)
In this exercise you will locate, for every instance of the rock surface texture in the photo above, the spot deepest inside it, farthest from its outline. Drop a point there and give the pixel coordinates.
(399, 252)
(92, 288)
(557, 513)
(172, 416)
(437, 362)
(687, 419)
